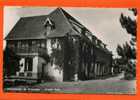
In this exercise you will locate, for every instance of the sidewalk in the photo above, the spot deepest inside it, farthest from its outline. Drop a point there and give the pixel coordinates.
(118, 77)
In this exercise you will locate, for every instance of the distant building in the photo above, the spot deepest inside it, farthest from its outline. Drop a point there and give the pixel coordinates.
(57, 47)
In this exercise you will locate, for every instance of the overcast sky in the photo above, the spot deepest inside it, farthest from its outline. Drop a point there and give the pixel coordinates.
(102, 22)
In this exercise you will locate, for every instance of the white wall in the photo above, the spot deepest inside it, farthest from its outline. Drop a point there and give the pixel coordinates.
(35, 64)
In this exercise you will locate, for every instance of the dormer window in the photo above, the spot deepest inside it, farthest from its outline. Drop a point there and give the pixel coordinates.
(49, 26)
(49, 23)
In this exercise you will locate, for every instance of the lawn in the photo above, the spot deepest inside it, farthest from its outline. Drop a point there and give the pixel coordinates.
(113, 85)
(92, 86)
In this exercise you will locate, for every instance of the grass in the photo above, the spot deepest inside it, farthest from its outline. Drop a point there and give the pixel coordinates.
(93, 86)
(113, 85)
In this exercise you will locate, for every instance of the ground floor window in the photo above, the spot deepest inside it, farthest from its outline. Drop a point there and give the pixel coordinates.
(28, 64)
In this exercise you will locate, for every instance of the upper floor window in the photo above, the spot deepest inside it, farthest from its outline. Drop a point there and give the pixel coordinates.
(38, 43)
(49, 22)
(33, 43)
(42, 44)
(26, 45)
(19, 44)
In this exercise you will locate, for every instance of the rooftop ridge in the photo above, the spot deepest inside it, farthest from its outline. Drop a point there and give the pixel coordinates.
(89, 32)
(65, 16)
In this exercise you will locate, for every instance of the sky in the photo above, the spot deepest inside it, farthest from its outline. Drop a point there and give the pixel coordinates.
(102, 22)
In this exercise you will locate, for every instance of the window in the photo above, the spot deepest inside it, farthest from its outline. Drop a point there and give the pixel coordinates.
(33, 43)
(38, 43)
(47, 22)
(42, 44)
(26, 45)
(54, 43)
(28, 64)
(19, 44)
(50, 23)
(23, 45)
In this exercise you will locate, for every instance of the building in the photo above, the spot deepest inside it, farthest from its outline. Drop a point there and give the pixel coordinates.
(57, 47)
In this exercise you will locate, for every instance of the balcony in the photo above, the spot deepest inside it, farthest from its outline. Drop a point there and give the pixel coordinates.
(29, 50)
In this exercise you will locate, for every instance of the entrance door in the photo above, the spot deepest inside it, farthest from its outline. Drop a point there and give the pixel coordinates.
(43, 72)
(28, 64)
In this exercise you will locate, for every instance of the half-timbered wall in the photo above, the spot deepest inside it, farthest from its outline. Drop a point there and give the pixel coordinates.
(26, 46)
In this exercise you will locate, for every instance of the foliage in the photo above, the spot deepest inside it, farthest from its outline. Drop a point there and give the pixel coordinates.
(64, 54)
(129, 24)
(44, 55)
(11, 62)
(70, 56)
(70, 48)
(127, 52)
(57, 56)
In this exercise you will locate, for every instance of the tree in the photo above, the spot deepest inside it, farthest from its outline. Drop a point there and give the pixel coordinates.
(127, 52)
(10, 62)
(42, 53)
(129, 24)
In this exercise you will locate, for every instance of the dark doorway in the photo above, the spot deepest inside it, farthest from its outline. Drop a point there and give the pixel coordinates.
(43, 71)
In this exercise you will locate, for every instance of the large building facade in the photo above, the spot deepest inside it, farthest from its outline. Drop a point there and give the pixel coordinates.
(57, 47)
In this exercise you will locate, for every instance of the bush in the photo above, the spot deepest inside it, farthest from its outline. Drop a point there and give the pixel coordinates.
(128, 76)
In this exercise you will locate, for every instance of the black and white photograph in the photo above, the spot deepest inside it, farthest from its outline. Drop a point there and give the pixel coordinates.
(76, 50)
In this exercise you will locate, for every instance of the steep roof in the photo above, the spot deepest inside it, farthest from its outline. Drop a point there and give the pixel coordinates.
(33, 27)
